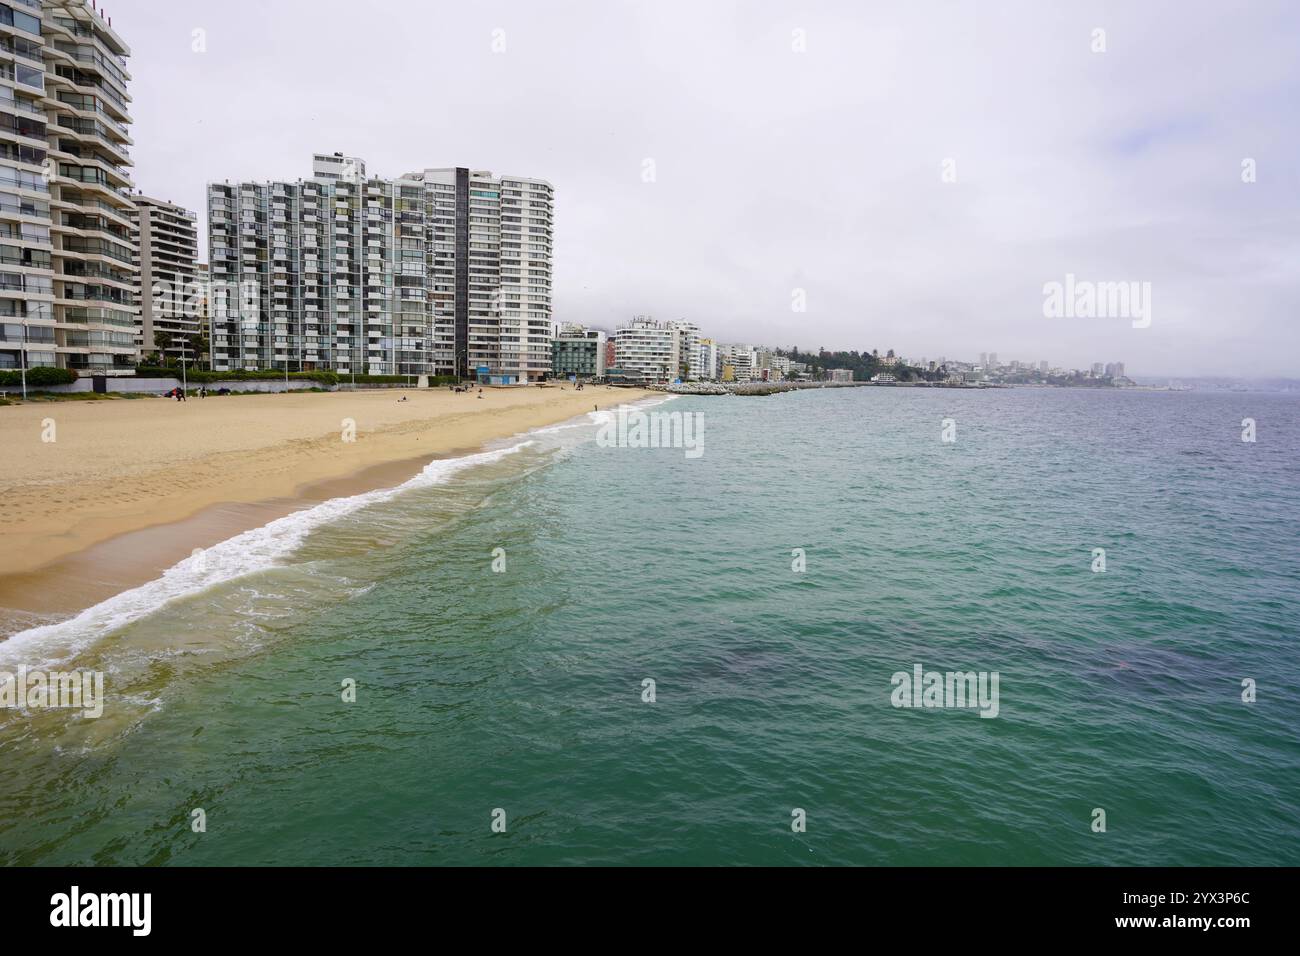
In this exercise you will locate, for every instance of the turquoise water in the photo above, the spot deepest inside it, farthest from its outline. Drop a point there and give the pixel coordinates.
(522, 690)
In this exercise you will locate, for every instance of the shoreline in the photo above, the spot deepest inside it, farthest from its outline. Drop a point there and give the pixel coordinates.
(79, 533)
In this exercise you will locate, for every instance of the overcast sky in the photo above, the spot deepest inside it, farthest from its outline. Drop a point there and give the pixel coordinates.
(800, 146)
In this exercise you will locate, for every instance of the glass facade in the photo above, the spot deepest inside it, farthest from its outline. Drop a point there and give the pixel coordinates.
(575, 356)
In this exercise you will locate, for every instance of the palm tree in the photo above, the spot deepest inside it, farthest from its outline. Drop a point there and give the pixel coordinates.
(162, 342)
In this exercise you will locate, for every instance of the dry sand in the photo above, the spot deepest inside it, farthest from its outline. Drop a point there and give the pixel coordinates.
(118, 467)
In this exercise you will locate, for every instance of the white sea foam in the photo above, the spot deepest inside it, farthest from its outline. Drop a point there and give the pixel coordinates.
(564, 427)
(248, 553)
(608, 415)
(600, 417)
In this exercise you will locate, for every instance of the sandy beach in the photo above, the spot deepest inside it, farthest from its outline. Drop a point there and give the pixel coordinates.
(210, 468)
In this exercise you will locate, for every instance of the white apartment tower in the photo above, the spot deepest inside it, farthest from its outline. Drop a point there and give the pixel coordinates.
(652, 350)
(688, 348)
(706, 361)
(167, 287)
(443, 272)
(490, 255)
(323, 273)
(66, 261)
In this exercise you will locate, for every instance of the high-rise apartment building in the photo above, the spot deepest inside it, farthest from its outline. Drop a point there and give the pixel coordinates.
(27, 334)
(167, 288)
(489, 257)
(688, 346)
(323, 273)
(442, 272)
(706, 360)
(66, 259)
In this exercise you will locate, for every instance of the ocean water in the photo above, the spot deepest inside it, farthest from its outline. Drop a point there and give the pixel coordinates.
(521, 690)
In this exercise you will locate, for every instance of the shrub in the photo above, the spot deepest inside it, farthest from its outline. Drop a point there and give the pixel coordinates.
(40, 376)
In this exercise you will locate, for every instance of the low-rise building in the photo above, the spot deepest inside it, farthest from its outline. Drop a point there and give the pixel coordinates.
(771, 366)
(578, 352)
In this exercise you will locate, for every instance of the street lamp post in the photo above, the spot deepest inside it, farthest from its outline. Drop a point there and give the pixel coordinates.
(23, 351)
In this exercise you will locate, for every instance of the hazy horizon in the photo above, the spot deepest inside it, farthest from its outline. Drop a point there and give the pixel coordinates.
(915, 173)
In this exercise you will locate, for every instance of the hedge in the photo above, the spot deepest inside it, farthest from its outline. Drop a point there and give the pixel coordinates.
(38, 376)
(345, 379)
(203, 375)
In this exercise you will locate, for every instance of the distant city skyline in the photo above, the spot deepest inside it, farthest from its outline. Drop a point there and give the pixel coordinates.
(913, 176)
